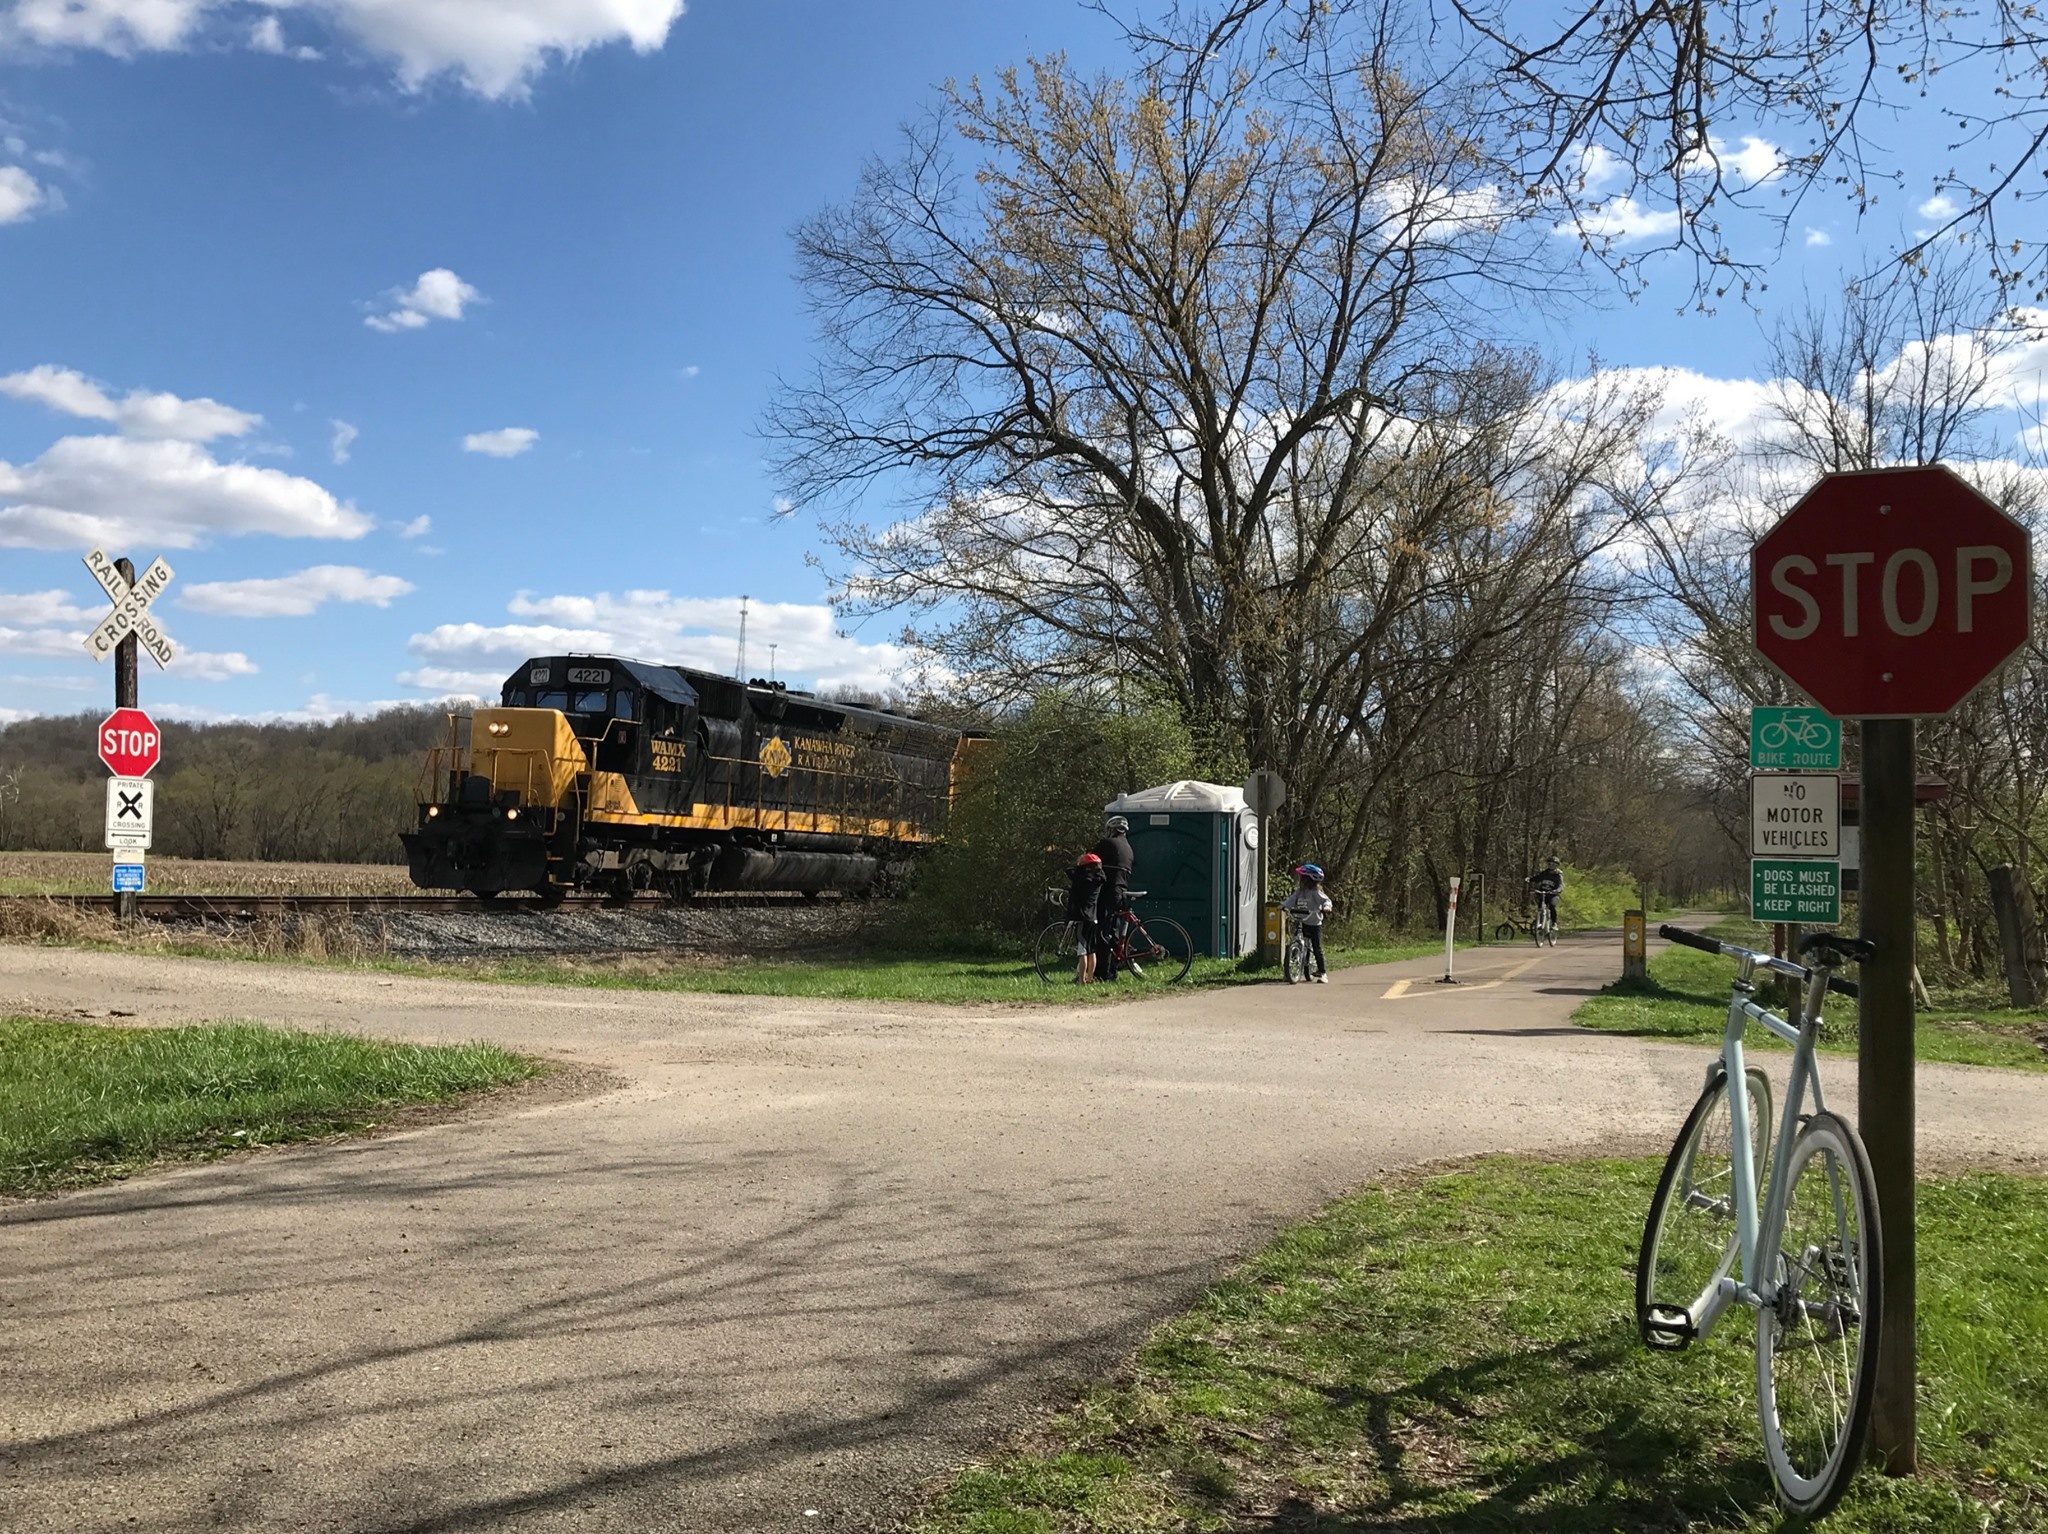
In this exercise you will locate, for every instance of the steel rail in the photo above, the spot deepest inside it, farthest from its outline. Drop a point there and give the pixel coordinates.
(250, 907)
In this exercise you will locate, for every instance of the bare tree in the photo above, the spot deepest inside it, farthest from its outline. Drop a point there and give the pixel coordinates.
(1185, 385)
(1644, 100)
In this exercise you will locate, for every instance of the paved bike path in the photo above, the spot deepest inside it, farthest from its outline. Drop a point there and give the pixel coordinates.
(803, 1256)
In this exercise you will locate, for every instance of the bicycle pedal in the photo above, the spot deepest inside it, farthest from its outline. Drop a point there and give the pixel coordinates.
(1667, 1328)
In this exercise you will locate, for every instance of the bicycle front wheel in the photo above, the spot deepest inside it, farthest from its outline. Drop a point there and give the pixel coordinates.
(1690, 1242)
(1161, 950)
(1816, 1342)
(1506, 932)
(1295, 964)
(1057, 952)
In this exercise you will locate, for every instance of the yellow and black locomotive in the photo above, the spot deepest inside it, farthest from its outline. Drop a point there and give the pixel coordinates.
(600, 773)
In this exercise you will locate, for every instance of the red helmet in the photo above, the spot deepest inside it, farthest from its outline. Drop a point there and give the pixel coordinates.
(1089, 857)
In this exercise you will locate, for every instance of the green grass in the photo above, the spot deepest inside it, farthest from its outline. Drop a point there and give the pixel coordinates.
(1686, 998)
(81, 1104)
(883, 977)
(1460, 1356)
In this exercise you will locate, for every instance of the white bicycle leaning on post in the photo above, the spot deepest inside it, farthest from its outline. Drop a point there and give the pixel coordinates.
(1808, 1260)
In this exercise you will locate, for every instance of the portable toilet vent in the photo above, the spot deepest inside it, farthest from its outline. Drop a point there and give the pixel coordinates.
(1195, 852)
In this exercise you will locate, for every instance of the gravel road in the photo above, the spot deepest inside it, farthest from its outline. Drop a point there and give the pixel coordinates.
(803, 1257)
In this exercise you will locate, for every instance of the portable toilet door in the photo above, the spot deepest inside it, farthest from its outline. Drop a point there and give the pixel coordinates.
(1246, 917)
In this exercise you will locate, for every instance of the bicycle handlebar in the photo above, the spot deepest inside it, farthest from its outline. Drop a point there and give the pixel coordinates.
(1704, 944)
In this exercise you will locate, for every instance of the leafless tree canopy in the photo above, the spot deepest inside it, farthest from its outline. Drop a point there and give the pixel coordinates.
(1662, 91)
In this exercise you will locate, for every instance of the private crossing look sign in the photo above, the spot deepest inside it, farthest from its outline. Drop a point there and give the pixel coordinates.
(131, 812)
(131, 609)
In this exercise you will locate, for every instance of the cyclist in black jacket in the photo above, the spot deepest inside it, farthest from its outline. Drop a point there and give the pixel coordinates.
(1548, 885)
(1115, 851)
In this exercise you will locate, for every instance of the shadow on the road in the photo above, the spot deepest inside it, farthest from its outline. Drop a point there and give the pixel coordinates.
(478, 1351)
(1520, 1033)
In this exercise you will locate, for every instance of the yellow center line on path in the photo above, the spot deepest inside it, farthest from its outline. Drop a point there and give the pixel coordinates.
(1399, 991)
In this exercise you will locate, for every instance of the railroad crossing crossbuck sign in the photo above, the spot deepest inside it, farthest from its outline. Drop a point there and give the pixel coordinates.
(131, 609)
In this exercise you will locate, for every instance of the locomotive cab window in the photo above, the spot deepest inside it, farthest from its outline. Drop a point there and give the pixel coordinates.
(622, 705)
(592, 703)
(558, 701)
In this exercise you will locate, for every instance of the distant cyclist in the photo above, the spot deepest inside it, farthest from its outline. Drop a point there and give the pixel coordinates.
(1548, 885)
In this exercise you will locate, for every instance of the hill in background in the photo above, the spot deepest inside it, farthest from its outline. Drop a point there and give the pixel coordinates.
(337, 792)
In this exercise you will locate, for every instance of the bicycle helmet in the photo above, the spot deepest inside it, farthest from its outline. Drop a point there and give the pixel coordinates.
(1551, 861)
(1310, 871)
(1089, 857)
(1116, 825)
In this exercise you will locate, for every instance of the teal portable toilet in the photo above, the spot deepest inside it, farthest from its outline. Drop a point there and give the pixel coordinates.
(1195, 853)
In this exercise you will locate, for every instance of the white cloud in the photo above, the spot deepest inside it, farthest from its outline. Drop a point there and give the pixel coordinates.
(165, 494)
(1750, 164)
(445, 683)
(43, 607)
(205, 666)
(139, 414)
(700, 632)
(418, 527)
(344, 438)
(438, 295)
(294, 596)
(20, 195)
(1621, 219)
(507, 443)
(493, 47)
(1819, 237)
(1940, 207)
(691, 371)
(111, 26)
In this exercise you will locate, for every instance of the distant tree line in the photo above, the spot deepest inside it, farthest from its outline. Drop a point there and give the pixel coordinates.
(337, 792)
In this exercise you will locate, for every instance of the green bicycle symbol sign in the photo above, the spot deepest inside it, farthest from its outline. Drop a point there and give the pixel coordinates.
(1798, 739)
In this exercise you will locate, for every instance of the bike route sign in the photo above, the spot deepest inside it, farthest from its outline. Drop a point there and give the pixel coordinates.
(1801, 739)
(1795, 890)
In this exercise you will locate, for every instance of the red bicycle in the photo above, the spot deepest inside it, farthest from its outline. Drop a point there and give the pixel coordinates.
(1155, 950)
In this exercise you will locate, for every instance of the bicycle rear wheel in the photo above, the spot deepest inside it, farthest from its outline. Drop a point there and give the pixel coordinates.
(1506, 932)
(1295, 963)
(1816, 1345)
(1690, 1241)
(1161, 950)
(1057, 952)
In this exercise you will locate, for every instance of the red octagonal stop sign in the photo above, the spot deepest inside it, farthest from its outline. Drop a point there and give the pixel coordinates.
(129, 743)
(1891, 594)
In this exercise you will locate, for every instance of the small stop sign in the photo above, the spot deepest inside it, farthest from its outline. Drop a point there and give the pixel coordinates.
(1891, 594)
(129, 743)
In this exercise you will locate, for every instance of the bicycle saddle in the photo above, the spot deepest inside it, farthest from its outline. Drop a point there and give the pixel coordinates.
(1136, 894)
(1836, 946)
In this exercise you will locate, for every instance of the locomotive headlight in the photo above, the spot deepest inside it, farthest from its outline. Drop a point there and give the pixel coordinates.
(511, 814)
(433, 812)
(500, 729)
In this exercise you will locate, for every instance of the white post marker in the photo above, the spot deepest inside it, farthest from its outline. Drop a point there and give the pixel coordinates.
(1450, 931)
(131, 609)
(131, 806)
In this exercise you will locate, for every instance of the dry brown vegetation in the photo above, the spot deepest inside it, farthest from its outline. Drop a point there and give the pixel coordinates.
(88, 873)
(340, 939)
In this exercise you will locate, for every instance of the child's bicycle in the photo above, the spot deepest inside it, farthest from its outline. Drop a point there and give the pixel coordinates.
(1808, 1259)
(1296, 957)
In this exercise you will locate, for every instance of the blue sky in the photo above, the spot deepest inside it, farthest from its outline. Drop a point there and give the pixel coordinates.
(464, 313)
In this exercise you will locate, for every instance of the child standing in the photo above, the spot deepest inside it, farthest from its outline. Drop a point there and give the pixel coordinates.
(1308, 901)
(1084, 897)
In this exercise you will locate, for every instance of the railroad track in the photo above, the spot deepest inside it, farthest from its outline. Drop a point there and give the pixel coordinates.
(253, 907)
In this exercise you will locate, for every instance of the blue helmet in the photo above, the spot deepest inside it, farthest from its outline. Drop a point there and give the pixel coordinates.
(1310, 871)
